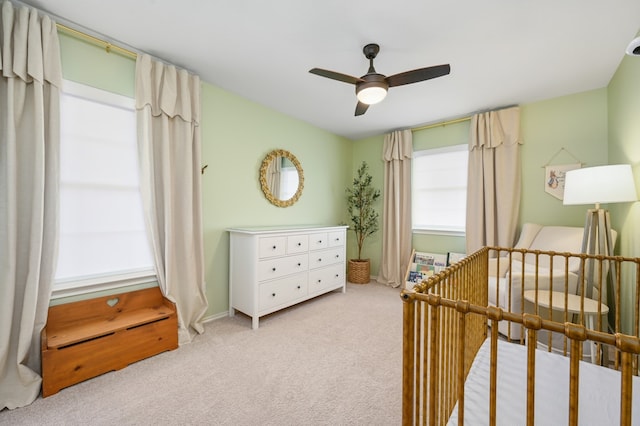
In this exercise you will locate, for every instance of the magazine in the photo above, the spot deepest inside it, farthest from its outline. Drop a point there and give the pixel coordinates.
(424, 265)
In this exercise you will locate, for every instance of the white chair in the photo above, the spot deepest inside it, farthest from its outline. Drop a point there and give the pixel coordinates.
(535, 237)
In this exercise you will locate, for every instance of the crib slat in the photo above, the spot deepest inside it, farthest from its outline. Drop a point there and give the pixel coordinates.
(461, 359)
(574, 385)
(433, 370)
(408, 360)
(532, 342)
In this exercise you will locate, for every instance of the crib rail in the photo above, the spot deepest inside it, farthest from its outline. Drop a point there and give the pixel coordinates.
(448, 317)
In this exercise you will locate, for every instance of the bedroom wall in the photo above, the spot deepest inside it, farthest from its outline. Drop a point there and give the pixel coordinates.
(236, 136)
(576, 122)
(624, 148)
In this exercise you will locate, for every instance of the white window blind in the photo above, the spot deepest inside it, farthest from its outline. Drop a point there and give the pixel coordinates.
(102, 232)
(439, 189)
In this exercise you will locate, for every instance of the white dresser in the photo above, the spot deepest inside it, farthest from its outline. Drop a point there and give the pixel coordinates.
(272, 268)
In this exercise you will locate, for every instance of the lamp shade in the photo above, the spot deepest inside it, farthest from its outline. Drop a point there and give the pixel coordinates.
(602, 184)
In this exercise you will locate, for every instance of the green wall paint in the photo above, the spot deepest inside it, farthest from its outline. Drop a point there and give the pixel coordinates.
(577, 123)
(86, 63)
(597, 127)
(624, 148)
(236, 136)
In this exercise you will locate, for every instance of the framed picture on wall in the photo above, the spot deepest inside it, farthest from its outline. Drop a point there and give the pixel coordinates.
(554, 178)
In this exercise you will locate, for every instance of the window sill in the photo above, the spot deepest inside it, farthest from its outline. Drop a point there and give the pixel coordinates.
(446, 232)
(77, 287)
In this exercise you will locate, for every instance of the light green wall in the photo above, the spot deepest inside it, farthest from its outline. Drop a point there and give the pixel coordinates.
(85, 63)
(369, 150)
(577, 123)
(597, 127)
(236, 136)
(624, 148)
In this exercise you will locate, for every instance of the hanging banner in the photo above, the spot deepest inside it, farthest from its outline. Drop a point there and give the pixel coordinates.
(554, 178)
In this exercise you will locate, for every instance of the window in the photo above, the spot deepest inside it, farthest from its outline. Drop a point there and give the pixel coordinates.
(439, 189)
(103, 239)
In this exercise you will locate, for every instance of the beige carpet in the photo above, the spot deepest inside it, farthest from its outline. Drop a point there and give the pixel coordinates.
(334, 360)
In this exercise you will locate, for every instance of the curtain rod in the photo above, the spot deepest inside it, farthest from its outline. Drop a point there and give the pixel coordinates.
(109, 47)
(442, 123)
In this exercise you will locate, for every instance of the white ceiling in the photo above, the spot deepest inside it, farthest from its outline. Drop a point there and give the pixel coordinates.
(502, 52)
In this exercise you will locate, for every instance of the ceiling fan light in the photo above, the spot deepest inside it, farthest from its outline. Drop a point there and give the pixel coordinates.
(371, 94)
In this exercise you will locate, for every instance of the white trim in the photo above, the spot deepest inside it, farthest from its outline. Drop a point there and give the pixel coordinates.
(447, 232)
(442, 150)
(216, 317)
(92, 284)
(94, 94)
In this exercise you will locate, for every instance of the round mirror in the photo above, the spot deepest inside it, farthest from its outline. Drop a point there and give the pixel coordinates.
(281, 178)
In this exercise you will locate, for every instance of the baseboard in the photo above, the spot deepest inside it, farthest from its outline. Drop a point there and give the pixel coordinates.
(216, 316)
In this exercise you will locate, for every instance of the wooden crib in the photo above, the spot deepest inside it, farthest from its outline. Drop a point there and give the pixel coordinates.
(455, 369)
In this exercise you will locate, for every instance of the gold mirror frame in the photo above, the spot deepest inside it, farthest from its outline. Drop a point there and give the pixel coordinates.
(272, 156)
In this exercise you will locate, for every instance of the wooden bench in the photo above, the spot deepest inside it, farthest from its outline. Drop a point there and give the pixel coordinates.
(84, 339)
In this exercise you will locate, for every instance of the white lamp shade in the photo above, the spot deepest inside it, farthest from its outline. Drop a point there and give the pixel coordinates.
(602, 184)
(371, 95)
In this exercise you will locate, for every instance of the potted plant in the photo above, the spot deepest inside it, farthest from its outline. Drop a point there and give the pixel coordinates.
(360, 199)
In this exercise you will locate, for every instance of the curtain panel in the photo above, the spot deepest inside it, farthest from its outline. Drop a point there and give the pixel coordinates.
(397, 153)
(168, 118)
(30, 83)
(494, 179)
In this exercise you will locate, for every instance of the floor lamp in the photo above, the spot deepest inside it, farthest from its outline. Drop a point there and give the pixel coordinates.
(596, 185)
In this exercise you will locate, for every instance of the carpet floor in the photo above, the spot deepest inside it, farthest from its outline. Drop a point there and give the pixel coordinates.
(333, 360)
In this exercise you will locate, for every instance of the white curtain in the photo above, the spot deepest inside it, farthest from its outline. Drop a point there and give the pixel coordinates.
(494, 180)
(29, 173)
(168, 116)
(397, 153)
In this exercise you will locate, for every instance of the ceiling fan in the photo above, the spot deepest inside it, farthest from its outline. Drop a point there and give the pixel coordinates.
(372, 87)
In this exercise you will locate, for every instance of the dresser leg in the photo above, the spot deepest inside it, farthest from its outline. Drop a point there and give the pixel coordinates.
(254, 322)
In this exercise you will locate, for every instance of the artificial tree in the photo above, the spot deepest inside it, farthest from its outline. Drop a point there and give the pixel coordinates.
(361, 197)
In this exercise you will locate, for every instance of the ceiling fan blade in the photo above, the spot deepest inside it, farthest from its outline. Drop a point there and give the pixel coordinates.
(420, 74)
(361, 108)
(335, 75)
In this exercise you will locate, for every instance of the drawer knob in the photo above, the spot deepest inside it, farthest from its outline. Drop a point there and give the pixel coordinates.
(299, 244)
(319, 281)
(274, 247)
(299, 264)
(337, 256)
(273, 294)
(319, 241)
(320, 259)
(273, 269)
(298, 287)
(337, 275)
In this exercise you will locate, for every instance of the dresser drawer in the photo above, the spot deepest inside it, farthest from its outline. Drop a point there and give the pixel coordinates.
(321, 279)
(336, 239)
(318, 241)
(297, 244)
(272, 246)
(326, 257)
(282, 291)
(279, 267)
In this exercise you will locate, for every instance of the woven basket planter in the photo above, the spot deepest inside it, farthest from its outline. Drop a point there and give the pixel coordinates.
(359, 271)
